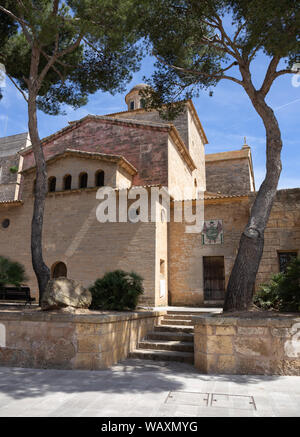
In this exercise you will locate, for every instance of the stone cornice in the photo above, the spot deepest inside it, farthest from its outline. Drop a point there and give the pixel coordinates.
(181, 147)
(197, 121)
(117, 159)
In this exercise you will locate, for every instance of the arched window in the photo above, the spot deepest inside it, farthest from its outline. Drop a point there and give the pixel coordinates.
(51, 184)
(67, 182)
(83, 179)
(99, 178)
(59, 269)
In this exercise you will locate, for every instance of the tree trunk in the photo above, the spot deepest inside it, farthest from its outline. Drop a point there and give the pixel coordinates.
(242, 279)
(42, 272)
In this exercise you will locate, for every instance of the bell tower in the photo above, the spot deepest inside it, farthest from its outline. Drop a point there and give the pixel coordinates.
(133, 98)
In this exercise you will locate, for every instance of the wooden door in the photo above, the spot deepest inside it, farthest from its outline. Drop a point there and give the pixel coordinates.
(214, 277)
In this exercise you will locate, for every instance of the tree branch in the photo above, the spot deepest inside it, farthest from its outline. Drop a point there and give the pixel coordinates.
(20, 21)
(238, 31)
(18, 88)
(234, 52)
(281, 72)
(269, 77)
(216, 75)
(92, 46)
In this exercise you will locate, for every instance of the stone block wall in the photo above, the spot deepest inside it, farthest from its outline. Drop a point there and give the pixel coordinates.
(260, 346)
(73, 235)
(229, 172)
(8, 179)
(186, 250)
(71, 341)
(282, 233)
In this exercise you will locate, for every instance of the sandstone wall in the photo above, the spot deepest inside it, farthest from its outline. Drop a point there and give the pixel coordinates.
(247, 346)
(73, 235)
(229, 172)
(186, 250)
(74, 166)
(8, 179)
(65, 341)
(179, 174)
(282, 233)
(196, 149)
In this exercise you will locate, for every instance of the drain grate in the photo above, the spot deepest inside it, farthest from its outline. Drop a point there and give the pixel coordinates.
(239, 402)
(187, 398)
(215, 400)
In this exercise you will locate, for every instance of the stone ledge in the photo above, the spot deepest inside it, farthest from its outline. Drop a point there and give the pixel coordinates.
(48, 316)
(216, 320)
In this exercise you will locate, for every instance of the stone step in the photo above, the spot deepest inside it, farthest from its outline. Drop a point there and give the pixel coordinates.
(170, 336)
(186, 313)
(162, 355)
(179, 346)
(178, 316)
(180, 322)
(174, 328)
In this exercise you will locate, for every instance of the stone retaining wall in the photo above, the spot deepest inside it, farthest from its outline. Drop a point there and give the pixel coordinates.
(247, 346)
(71, 341)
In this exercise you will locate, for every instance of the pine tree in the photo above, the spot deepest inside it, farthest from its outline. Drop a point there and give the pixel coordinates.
(58, 52)
(199, 43)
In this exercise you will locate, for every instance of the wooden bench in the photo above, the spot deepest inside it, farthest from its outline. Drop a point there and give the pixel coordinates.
(16, 294)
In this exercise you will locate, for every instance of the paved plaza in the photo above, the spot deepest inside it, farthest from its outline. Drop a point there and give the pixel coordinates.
(144, 388)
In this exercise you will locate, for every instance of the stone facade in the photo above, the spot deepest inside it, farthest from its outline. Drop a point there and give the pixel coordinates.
(87, 247)
(71, 341)
(282, 233)
(186, 250)
(230, 172)
(247, 346)
(10, 160)
(138, 148)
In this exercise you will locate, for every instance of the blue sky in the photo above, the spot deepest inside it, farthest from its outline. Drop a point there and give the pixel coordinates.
(227, 117)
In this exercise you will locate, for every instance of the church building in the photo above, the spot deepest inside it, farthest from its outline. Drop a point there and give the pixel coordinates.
(132, 149)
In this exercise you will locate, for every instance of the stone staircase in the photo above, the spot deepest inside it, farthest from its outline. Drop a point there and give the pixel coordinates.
(172, 340)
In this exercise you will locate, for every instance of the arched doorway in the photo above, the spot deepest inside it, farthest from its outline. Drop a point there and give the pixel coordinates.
(58, 270)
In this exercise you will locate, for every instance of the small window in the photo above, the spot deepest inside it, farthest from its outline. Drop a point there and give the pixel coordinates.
(132, 105)
(5, 223)
(99, 178)
(162, 268)
(52, 184)
(67, 182)
(284, 259)
(83, 179)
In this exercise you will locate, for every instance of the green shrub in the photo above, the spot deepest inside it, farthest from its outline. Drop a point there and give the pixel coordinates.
(117, 290)
(13, 169)
(283, 291)
(11, 272)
